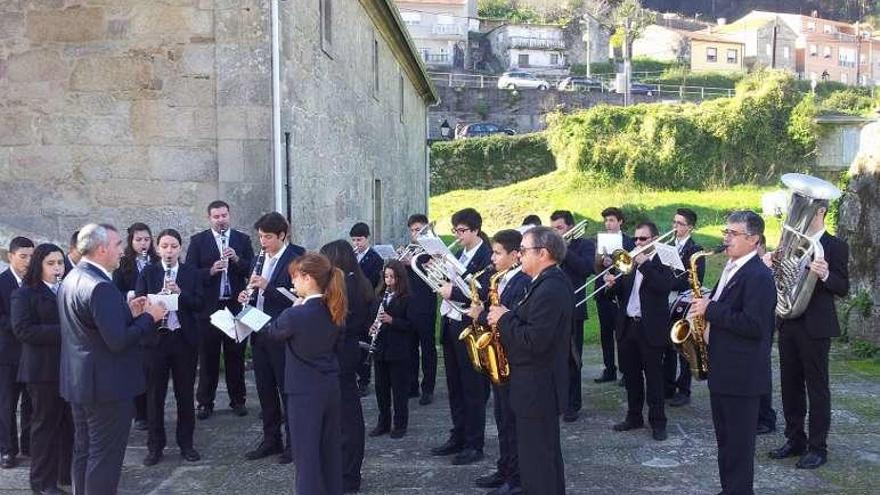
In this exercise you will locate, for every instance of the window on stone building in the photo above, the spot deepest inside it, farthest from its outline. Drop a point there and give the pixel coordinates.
(411, 18)
(326, 25)
(554, 59)
(814, 50)
(828, 29)
(375, 69)
(732, 56)
(377, 211)
(711, 54)
(522, 60)
(811, 26)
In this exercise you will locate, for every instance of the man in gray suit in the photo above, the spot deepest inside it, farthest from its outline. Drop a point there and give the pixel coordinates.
(101, 363)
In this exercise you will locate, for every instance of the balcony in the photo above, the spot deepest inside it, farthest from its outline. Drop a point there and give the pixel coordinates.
(536, 43)
(436, 58)
(448, 30)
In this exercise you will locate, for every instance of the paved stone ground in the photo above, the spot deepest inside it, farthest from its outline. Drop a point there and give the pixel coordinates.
(597, 460)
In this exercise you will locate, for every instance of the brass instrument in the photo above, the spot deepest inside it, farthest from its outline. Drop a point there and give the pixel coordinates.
(489, 343)
(575, 232)
(441, 269)
(687, 333)
(471, 334)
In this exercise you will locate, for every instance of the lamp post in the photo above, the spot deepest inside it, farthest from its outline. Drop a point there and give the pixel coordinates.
(445, 130)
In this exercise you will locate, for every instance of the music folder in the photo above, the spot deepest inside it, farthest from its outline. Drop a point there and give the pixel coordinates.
(669, 256)
(238, 327)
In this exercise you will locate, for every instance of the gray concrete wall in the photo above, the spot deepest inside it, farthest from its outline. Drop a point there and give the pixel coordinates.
(839, 142)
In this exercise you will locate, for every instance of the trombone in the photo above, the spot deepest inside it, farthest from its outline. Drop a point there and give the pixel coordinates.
(622, 261)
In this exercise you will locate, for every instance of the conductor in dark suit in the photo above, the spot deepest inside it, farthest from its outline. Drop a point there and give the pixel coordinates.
(101, 359)
(223, 278)
(536, 335)
(739, 314)
(804, 343)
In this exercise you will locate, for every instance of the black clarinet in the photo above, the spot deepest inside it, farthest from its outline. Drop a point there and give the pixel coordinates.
(374, 328)
(258, 269)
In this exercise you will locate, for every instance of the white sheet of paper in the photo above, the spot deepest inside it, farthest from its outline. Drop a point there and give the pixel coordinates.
(225, 322)
(607, 242)
(253, 318)
(434, 245)
(286, 293)
(386, 251)
(669, 256)
(169, 300)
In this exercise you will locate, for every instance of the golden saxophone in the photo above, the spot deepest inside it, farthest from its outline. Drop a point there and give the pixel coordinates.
(489, 344)
(474, 331)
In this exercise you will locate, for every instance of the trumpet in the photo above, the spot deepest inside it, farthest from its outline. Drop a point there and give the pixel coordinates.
(575, 232)
(622, 261)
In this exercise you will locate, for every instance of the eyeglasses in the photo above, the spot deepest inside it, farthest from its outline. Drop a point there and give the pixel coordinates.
(526, 248)
(733, 233)
(461, 230)
(643, 239)
(679, 224)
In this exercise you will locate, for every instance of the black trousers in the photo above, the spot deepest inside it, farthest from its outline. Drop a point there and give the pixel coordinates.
(643, 375)
(174, 357)
(607, 310)
(140, 407)
(392, 389)
(574, 367)
(542, 470)
(211, 342)
(766, 413)
(734, 418)
(317, 449)
(101, 434)
(51, 436)
(352, 429)
(268, 359)
(468, 389)
(676, 373)
(11, 393)
(803, 364)
(505, 421)
(427, 344)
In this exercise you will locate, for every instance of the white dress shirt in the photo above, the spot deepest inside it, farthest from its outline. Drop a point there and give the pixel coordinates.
(267, 271)
(464, 259)
(634, 305)
(730, 270)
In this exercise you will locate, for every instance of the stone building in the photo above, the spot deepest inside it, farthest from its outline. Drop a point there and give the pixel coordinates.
(145, 111)
(440, 29)
(536, 47)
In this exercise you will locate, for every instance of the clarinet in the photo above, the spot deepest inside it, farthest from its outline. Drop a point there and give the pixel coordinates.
(258, 268)
(377, 324)
(163, 324)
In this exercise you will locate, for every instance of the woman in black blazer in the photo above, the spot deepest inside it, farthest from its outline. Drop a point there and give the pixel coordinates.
(392, 350)
(175, 352)
(35, 322)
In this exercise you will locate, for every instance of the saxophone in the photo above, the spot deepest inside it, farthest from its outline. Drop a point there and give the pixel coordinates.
(687, 334)
(474, 331)
(489, 343)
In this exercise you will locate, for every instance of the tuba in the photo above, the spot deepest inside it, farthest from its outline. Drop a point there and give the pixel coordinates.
(475, 331)
(489, 344)
(687, 334)
(796, 249)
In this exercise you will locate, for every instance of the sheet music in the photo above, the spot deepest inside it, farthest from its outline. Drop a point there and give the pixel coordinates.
(386, 251)
(288, 294)
(607, 242)
(253, 319)
(168, 300)
(434, 246)
(249, 320)
(225, 322)
(669, 256)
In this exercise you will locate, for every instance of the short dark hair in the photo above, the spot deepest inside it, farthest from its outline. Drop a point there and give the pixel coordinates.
(216, 204)
(509, 239)
(532, 220)
(753, 222)
(550, 240)
(651, 226)
(72, 242)
(272, 223)
(564, 215)
(19, 243)
(613, 211)
(170, 232)
(34, 274)
(359, 229)
(469, 217)
(689, 215)
(416, 218)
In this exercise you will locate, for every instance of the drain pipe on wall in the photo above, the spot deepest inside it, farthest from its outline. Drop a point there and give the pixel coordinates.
(277, 164)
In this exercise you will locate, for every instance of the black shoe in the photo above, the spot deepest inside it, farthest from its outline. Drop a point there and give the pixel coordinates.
(467, 456)
(398, 433)
(606, 376)
(204, 412)
(787, 450)
(239, 410)
(765, 429)
(448, 448)
(570, 416)
(679, 400)
(426, 399)
(659, 434)
(286, 457)
(50, 491)
(7, 461)
(263, 450)
(141, 425)
(493, 480)
(627, 425)
(364, 390)
(811, 460)
(506, 489)
(190, 454)
(153, 458)
(379, 430)
(621, 382)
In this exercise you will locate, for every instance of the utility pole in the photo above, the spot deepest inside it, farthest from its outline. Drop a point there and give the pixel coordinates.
(589, 44)
(858, 55)
(773, 55)
(627, 67)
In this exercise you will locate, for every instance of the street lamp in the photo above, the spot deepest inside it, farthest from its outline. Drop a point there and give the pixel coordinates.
(445, 130)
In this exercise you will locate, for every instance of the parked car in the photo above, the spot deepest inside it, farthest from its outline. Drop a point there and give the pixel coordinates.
(642, 89)
(520, 79)
(579, 83)
(480, 129)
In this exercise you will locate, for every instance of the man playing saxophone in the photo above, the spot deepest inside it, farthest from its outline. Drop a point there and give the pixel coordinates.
(739, 314)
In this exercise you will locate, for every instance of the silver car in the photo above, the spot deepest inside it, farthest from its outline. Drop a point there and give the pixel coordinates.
(521, 80)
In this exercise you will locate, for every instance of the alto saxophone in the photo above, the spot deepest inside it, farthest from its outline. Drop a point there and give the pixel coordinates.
(474, 331)
(489, 344)
(687, 334)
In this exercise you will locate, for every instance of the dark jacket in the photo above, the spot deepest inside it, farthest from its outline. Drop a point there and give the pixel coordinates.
(357, 322)
(578, 266)
(371, 264)
(820, 317)
(10, 347)
(101, 358)
(394, 341)
(201, 255)
(423, 299)
(654, 299)
(740, 328)
(191, 301)
(36, 324)
(480, 261)
(536, 335)
(682, 281)
(126, 280)
(275, 302)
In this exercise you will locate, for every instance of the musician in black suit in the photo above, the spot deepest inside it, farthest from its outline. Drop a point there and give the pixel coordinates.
(311, 333)
(423, 301)
(223, 278)
(536, 336)
(99, 332)
(371, 264)
(739, 314)
(11, 389)
(176, 351)
(35, 323)
(804, 343)
(268, 356)
(360, 296)
(71, 259)
(511, 289)
(643, 332)
(139, 252)
(606, 300)
(678, 386)
(468, 389)
(580, 255)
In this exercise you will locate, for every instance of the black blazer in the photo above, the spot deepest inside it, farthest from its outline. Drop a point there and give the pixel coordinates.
(36, 324)
(311, 339)
(357, 322)
(191, 301)
(371, 264)
(682, 282)
(273, 301)
(101, 356)
(394, 341)
(423, 299)
(820, 318)
(536, 335)
(10, 347)
(126, 280)
(203, 252)
(654, 298)
(578, 265)
(740, 332)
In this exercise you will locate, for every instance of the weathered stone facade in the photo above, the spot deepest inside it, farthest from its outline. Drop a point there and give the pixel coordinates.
(140, 110)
